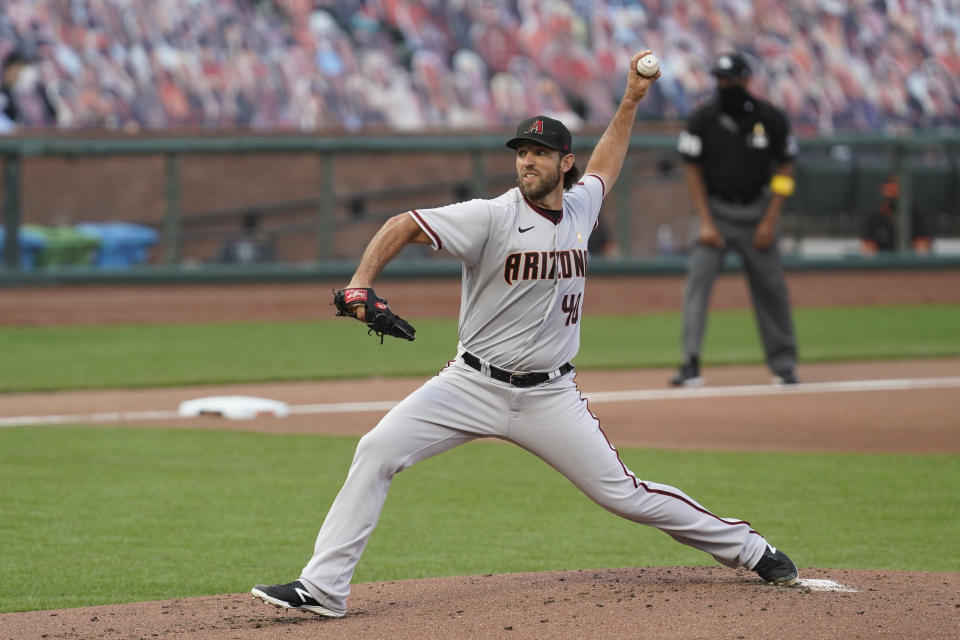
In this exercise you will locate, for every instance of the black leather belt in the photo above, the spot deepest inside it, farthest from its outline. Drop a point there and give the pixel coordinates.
(516, 379)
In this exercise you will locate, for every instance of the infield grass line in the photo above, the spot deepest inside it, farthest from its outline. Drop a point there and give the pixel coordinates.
(138, 356)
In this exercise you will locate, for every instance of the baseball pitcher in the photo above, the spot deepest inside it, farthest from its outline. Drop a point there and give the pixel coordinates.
(524, 275)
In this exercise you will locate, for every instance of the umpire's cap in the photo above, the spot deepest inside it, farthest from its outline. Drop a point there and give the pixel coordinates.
(543, 130)
(730, 66)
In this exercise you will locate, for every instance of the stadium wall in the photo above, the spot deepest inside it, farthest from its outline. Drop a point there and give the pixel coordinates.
(322, 198)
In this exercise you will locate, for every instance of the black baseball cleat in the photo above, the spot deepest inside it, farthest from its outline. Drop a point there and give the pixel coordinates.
(776, 568)
(786, 377)
(689, 374)
(292, 596)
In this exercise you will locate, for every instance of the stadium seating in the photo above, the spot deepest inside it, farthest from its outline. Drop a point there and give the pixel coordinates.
(359, 66)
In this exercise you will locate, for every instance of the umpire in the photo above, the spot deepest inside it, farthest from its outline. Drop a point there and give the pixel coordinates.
(738, 154)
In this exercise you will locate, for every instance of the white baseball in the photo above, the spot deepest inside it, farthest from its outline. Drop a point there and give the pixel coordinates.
(648, 65)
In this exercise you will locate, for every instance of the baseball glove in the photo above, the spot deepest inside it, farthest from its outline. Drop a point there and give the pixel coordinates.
(377, 315)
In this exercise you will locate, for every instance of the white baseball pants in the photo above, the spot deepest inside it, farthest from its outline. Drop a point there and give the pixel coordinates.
(551, 421)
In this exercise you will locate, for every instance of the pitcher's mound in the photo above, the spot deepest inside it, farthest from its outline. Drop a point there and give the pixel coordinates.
(667, 603)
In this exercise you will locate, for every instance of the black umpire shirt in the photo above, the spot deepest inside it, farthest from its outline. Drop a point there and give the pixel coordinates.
(738, 155)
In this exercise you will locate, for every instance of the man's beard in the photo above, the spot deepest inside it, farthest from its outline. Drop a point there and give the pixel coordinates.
(542, 188)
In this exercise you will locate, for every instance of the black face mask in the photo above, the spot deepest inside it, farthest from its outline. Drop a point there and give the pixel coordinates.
(733, 100)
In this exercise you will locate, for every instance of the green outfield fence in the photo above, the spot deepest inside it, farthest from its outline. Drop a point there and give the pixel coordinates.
(321, 198)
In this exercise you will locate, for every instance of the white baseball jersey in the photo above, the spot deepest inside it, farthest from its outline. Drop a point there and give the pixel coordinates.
(523, 283)
(523, 273)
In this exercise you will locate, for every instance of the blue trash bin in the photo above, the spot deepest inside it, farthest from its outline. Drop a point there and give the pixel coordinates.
(32, 244)
(122, 244)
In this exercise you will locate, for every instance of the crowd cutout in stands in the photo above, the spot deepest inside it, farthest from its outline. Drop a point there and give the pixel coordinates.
(411, 65)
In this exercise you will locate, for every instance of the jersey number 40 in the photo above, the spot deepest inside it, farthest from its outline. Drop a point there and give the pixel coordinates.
(571, 306)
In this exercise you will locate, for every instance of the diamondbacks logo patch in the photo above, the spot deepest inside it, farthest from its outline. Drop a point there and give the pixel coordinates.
(536, 127)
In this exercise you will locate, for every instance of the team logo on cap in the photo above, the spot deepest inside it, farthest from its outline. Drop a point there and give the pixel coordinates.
(535, 127)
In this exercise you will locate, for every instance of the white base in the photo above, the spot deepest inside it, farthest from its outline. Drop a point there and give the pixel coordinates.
(234, 407)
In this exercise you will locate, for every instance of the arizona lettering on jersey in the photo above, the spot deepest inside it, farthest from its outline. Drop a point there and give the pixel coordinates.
(543, 265)
(523, 273)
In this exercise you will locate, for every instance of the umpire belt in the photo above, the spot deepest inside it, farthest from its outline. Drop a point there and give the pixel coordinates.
(513, 378)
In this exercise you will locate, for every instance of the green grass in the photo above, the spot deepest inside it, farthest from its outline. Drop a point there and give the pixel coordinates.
(104, 515)
(80, 357)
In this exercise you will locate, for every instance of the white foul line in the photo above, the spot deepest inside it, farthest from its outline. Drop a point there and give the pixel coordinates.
(344, 407)
(109, 416)
(900, 384)
(637, 395)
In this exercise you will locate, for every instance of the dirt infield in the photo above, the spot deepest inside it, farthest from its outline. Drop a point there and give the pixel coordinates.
(700, 602)
(889, 421)
(151, 303)
(651, 603)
